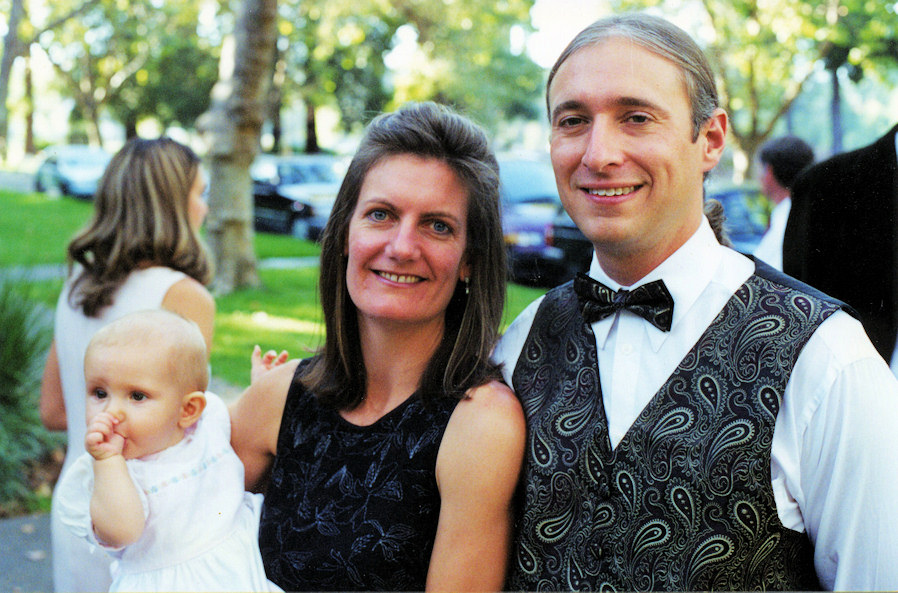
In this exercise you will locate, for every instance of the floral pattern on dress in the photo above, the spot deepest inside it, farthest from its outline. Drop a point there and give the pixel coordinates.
(353, 507)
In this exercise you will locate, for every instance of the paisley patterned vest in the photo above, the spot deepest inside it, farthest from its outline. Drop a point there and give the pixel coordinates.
(685, 500)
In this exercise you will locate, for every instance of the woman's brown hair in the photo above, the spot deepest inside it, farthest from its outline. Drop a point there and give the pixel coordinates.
(140, 220)
(462, 359)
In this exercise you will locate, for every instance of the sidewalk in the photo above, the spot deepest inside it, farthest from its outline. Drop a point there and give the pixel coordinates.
(25, 554)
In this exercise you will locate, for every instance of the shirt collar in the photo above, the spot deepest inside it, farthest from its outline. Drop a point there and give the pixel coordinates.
(686, 273)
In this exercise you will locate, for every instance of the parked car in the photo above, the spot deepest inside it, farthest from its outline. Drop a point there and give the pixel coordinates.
(71, 170)
(576, 249)
(529, 201)
(295, 194)
(747, 215)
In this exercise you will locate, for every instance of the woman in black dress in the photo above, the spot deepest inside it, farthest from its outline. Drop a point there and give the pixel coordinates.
(389, 460)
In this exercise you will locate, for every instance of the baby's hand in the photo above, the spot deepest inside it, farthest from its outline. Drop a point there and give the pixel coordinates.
(261, 364)
(102, 441)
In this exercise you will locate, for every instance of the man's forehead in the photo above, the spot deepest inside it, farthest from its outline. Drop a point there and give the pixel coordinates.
(636, 76)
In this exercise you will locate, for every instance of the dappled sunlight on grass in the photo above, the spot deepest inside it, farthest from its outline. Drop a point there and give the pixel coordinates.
(270, 322)
(236, 333)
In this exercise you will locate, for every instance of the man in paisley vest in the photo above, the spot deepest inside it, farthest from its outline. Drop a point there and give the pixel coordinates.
(696, 419)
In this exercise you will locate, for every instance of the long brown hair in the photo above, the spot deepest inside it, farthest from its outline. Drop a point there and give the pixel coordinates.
(140, 219)
(462, 359)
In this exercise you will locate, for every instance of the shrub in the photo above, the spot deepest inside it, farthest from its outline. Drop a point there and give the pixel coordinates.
(26, 329)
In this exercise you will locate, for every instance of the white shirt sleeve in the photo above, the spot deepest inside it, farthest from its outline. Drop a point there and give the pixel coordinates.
(512, 341)
(840, 413)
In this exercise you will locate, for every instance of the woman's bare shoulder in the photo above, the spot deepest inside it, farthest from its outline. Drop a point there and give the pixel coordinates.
(489, 411)
(494, 395)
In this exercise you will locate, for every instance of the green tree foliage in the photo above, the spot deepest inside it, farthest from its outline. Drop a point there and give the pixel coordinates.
(175, 83)
(19, 37)
(331, 53)
(466, 59)
(335, 53)
(764, 51)
(137, 58)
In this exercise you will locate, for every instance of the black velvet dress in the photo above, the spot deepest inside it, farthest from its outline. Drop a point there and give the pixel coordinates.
(348, 507)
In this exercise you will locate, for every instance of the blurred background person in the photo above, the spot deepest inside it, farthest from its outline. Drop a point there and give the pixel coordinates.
(781, 159)
(842, 238)
(140, 251)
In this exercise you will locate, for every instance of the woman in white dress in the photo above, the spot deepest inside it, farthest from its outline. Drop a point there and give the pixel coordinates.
(141, 251)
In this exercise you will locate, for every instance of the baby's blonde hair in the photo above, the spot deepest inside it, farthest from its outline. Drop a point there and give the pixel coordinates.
(186, 357)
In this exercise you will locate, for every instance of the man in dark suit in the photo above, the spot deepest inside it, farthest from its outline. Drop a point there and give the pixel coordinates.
(842, 238)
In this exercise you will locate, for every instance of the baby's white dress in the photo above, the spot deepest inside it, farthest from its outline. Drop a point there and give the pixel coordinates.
(202, 528)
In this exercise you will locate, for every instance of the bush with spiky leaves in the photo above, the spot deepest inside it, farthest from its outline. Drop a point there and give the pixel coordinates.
(26, 328)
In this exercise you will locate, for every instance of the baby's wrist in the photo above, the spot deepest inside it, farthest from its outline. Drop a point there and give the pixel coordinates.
(105, 455)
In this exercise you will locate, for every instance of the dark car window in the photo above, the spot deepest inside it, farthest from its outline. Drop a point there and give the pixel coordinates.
(291, 173)
(745, 210)
(527, 181)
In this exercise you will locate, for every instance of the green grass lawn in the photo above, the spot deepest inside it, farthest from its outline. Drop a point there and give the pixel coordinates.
(282, 314)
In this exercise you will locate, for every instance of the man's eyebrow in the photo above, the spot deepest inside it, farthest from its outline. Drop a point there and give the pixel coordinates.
(639, 102)
(570, 105)
(624, 101)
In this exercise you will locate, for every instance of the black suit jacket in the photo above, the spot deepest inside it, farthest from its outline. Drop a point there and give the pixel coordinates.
(841, 236)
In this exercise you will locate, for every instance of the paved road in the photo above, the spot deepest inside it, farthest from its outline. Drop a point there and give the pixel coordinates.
(16, 181)
(25, 554)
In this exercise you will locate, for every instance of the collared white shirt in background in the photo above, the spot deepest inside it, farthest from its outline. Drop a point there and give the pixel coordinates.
(834, 464)
(770, 249)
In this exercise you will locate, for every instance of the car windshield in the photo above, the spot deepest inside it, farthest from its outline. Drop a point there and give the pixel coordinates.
(83, 158)
(291, 173)
(528, 181)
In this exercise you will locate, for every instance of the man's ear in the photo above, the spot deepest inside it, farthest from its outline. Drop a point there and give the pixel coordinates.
(713, 135)
(192, 408)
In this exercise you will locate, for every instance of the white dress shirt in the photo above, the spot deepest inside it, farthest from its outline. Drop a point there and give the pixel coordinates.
(835, 446)
(770, 249)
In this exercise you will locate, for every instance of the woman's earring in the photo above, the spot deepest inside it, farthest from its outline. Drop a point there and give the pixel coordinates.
(467, 286)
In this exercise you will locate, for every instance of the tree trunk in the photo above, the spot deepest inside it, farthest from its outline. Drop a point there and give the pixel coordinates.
(311, 130)
(94, 136)
(276, 100)
(11, 49)
(30, 147)
(233, 126)
(836, 111)
(130, 124)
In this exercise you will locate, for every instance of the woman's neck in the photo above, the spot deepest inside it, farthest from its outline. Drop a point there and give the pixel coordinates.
(395, 358)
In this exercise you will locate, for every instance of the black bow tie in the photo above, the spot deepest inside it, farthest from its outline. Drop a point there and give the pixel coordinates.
(650, 301)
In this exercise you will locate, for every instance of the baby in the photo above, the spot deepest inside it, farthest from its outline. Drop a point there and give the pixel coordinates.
(160, 487)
